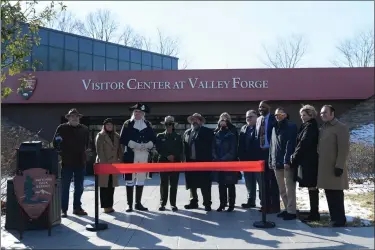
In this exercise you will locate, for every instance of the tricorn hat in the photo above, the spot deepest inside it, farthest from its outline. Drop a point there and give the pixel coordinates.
(73, 112)
(141, 107)
(108, 120)
(196, 115)
(169, 119)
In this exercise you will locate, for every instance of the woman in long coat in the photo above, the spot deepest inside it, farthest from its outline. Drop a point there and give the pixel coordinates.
(305, 158)
(224, 149)
(108, 150)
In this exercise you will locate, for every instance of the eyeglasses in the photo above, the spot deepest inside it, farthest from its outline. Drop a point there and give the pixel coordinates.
(169, 124)
(279, 114)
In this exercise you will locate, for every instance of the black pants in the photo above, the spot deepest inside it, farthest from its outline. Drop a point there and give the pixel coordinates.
(168, 179)
(335, 200)
(272, 194)
(227, 190)
(106, 194)
(206, 193)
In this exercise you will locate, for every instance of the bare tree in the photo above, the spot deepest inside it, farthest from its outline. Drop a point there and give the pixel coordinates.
(100, 25)
(65, 21)
(356, 52)
(130, 38)
(167, 45)
(287, 54)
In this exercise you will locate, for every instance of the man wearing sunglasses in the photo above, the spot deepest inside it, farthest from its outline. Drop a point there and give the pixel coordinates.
(169, 147)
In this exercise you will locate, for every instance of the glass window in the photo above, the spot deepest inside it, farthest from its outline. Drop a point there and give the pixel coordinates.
(124, 54)
(174, 63)
(156, 68)
(56, 39)
(146, 58)
(85, 45)
(123, 65)
(85, 61)
(99, 63)
(135, 56)
(40, 54)
(146, 67)
(71, 42)
(71, 60)
(167, 63)
(135, 66)
(111, 64)
(43, 35)
(56, 57)
(111, 51)
(156, 61)
(99, 48)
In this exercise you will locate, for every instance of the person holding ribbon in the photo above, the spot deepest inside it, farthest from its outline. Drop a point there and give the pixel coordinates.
(224, 148)
(138, 139)
(197, 143)
(108, 150)
(169, 148)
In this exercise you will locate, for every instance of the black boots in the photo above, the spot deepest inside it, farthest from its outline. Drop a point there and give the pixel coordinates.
(314, 206)
(129, 197)
(138, 197)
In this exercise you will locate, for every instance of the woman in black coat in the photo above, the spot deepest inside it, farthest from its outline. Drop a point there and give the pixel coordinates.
(305, 158)
(224, 149)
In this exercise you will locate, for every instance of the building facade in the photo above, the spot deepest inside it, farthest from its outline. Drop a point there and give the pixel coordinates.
(61, 51)
(43, 102)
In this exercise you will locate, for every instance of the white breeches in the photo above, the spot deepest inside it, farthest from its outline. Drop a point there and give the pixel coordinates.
(139, 178)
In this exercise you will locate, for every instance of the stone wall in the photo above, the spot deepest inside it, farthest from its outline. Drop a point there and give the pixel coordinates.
(360, 115)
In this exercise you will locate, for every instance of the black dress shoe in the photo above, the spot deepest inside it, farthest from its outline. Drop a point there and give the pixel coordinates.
(289, 216)
(230, 209)
(247, 205)
(282, 214)
(174, 208)
(64, 214)
(220, 209)
(207, 208)
(161, 208)
(191, 206)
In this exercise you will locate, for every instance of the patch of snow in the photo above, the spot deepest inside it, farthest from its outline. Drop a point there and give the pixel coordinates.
(86, 184)
(365, 133)
(352, 209)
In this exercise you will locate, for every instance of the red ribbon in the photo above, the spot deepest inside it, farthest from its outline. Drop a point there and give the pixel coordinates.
(127, 168)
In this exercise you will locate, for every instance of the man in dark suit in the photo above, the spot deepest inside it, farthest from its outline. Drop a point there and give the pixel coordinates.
(197, 143)
(264, 126)
(249, 150)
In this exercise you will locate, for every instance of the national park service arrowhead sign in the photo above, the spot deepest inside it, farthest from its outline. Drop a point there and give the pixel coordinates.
(34, 189)
(27, 87)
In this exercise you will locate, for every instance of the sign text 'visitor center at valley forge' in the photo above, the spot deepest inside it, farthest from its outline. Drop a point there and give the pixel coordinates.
(103, 79)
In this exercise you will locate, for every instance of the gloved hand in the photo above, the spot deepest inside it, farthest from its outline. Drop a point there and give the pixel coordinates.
(338, 172)
(131, 144)
(149, 145)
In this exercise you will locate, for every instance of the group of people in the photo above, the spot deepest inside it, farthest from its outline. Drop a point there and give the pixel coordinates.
(315, 157)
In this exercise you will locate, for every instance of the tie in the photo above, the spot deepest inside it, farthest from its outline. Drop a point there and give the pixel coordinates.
(262, 131)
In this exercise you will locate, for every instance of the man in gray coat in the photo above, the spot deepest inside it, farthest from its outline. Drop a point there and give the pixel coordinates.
(333, 149)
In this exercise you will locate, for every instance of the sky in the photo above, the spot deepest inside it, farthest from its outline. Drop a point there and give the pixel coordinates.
(231, 34)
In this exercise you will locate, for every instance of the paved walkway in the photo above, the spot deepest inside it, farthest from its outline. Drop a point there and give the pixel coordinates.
(184, 229)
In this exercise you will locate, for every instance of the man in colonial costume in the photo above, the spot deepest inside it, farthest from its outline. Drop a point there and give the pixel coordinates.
(197, 143)
(138, 138)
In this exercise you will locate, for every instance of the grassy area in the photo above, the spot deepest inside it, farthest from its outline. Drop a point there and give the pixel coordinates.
(365, 201)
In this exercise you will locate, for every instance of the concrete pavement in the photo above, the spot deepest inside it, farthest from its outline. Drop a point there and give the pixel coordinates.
(184, 229)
